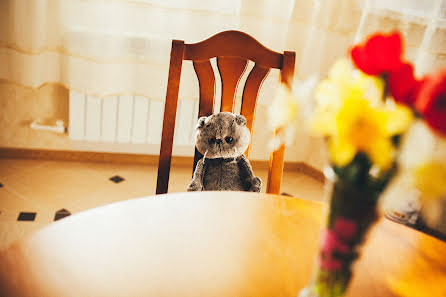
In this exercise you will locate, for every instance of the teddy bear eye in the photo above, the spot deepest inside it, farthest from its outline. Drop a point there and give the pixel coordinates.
(228, 139)
(212, 140)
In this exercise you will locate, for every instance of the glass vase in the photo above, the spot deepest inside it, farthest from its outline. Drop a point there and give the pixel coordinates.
(352, 195)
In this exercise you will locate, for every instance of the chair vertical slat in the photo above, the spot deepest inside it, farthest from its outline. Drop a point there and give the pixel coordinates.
(276, 161)
(170, 109)
(250, 94)
(206, 81)
(231, 70)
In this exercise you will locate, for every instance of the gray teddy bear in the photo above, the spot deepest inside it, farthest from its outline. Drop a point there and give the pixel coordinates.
(223, 138)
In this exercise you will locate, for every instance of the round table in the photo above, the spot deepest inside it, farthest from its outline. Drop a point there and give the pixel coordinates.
(210, 244)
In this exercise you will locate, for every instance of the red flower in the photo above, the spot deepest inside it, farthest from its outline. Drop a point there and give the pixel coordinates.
(336, 242)
(332, 243)
(403, 85)
(380, 53)
(346, 229)
(431, 101)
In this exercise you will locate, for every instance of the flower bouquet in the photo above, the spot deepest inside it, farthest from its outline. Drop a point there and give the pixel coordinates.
(363, 110)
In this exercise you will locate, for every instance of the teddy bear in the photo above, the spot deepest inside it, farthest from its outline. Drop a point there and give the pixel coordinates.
(222, 139)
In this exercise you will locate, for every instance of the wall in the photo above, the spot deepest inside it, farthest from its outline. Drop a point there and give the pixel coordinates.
(19, 106)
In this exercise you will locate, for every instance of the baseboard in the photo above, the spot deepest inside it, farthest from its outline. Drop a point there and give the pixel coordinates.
(308, 170)
(41, 154)
(122, 158)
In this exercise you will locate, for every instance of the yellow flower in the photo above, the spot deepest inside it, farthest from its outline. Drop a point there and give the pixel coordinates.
(361, 128)
(430, 180)
(343, 83)
(351, 113)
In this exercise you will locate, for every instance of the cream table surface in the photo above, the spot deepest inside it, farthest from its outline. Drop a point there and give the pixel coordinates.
(210, 244)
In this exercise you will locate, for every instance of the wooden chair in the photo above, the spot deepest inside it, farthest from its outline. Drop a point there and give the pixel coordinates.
(233, 49)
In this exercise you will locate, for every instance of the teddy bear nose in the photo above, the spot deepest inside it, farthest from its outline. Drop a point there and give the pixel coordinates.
(218, 141)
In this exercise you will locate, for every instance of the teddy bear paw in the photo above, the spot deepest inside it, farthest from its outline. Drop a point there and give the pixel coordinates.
(256, 184)
(194, 187)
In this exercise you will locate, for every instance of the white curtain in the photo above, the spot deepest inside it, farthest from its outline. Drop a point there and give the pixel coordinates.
(111, 47)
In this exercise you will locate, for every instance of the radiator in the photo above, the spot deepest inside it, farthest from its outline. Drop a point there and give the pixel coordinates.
(112, 123)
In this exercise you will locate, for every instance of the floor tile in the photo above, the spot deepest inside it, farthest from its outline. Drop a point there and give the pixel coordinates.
(9, 200)
(12, 231)
(116, 179)
(8, 216)
(18, 166)
(55, 183)
(26, 216)
(60, 214)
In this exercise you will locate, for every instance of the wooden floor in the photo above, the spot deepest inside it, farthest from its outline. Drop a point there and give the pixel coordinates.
(45, 187)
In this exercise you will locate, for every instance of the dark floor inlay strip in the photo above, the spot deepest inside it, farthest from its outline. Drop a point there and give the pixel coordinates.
(27, 216)
(286, 194)
(62, 213)
(116, 179)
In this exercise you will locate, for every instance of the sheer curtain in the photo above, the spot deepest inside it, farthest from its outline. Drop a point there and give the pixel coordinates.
(116, 47)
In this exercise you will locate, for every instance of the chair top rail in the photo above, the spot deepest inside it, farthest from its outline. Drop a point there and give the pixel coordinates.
(233, 44)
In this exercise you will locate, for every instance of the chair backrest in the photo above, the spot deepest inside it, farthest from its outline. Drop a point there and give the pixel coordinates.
(232, 49)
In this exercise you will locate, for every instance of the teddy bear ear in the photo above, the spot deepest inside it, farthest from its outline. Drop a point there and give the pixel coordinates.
(241, 120)
(201, 122)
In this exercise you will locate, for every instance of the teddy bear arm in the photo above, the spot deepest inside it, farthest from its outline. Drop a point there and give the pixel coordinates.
(254, 184)
(197, 180)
